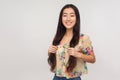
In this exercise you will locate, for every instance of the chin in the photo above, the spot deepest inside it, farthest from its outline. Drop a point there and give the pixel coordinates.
(69, 27)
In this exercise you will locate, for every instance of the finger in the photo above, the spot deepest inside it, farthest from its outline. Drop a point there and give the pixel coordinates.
(51, 50)
(54, 46)
(54, 50)
(70, 52)
(69, 48)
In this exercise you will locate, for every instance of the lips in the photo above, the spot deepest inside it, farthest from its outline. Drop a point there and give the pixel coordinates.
(68, 23)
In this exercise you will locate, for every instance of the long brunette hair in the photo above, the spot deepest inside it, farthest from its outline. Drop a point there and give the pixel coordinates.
(59, 35)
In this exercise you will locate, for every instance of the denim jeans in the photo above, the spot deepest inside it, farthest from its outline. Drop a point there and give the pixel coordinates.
(64, 78)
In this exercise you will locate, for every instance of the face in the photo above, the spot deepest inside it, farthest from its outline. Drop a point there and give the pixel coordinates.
(68, 18)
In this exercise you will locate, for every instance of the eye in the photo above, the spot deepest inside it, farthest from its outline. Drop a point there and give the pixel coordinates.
(64, 15)
(72, 15)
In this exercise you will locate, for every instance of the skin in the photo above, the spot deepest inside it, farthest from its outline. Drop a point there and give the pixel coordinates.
(69, 20)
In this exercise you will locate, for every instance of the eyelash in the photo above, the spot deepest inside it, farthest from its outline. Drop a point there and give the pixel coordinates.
(70, 15)
(64, 15)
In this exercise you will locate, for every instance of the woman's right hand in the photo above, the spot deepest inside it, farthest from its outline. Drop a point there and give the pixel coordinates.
(52, 49)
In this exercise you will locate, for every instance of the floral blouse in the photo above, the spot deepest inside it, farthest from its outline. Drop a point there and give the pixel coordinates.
(62, 58)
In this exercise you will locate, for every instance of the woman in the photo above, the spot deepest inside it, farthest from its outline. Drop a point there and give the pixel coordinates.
(70, 49)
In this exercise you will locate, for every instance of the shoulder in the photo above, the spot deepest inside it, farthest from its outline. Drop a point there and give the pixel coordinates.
(84, 36)
(85, 39)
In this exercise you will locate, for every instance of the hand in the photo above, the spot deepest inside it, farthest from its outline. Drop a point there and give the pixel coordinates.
(74, 53)
(52, 49)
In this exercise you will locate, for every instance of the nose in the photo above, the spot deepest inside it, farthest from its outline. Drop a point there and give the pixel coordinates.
(68, 17)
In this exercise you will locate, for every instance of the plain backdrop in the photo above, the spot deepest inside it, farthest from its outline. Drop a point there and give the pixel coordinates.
(27, 28)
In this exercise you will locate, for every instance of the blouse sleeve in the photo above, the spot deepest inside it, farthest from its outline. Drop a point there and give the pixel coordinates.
(87, 45)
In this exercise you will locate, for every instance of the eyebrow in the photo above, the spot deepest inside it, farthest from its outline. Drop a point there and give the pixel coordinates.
(70, 13)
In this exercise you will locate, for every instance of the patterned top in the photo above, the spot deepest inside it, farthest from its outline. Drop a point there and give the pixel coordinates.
(62, 58)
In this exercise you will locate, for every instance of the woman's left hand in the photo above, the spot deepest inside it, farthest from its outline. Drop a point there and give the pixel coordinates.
(74, 53)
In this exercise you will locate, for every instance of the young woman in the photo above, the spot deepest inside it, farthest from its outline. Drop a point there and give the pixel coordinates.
(70, 49)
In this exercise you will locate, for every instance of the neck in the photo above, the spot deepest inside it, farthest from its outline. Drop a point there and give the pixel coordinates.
(69, 32)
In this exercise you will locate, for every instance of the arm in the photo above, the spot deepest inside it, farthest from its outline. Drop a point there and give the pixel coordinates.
(88, 58)
(86, 53)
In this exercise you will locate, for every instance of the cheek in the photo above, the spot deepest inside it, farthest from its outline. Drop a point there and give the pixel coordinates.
(63, 19)
(74, 19)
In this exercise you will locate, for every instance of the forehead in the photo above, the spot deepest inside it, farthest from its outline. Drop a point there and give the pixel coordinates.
(68, 10)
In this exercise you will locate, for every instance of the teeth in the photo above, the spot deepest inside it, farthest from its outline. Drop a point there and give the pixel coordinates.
(68, 23)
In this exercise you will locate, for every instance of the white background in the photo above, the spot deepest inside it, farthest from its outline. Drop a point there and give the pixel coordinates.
(27, 28)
